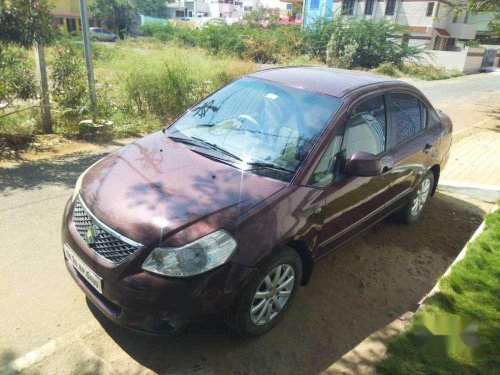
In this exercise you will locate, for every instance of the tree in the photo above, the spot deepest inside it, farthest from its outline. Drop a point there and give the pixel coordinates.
(492, 6)
(153, 8)
(115, 14)
(476, 6)
(23, 22)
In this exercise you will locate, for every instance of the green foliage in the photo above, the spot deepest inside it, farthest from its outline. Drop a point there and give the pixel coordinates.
(69, 86)
(16, 76)
(473, 43)
(388, 69)
(261, 17)
(22, 22)
(159, 31)
(153, 8)
(363, 42)
(115, 14)
(463, 317)
(165, 81)
(428, 72)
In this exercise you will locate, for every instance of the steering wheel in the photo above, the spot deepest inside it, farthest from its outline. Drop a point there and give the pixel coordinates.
(247, 119)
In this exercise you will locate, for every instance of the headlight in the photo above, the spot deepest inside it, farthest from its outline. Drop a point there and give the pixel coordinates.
(196, 257)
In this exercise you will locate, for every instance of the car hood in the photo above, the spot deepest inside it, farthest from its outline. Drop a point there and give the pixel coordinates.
(156, 187)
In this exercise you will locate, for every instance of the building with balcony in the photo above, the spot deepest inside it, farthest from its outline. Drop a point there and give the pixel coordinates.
(431, 23)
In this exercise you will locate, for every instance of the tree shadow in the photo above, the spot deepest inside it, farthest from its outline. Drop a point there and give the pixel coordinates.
(358, 289)
(60, 171)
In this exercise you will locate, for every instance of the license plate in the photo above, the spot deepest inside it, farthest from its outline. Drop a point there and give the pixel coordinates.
(83, 269)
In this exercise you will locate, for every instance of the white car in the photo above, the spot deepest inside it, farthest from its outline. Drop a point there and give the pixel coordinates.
(98, 33)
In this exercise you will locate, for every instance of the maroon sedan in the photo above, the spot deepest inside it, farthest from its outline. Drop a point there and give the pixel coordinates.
(227, 210)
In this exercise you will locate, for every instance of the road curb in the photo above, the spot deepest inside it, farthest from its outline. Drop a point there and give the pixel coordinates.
(486, 193)
(459, 257)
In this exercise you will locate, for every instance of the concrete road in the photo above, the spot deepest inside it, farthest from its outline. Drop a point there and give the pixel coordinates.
(45, 320)
(467, 100)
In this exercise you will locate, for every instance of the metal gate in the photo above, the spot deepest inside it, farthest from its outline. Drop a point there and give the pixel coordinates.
(488, 59)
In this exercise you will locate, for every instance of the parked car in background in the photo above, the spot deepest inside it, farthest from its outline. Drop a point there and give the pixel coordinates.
(227, 210)
(102, 35)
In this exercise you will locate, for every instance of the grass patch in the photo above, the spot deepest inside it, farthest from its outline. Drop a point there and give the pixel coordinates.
(143, 84)
(424, 72)
(458, 331)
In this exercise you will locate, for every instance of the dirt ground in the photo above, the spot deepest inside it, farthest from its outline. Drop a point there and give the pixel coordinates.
(358, 289)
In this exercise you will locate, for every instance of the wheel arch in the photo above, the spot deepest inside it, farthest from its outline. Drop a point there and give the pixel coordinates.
(436, 171)
(301, 248)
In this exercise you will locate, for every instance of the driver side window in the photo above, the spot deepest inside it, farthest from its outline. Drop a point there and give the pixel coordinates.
(366, 128)
(324, 171)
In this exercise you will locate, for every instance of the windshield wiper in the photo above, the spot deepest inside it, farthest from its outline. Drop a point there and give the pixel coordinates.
(187, 141)
(258, 164)
(218, 148)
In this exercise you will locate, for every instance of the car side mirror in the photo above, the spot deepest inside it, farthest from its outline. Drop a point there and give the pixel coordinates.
(366, 164)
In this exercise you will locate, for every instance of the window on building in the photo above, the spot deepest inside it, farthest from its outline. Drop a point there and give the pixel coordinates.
(466, 18)
(314, 4)
(430, 9)
(348, 7)
(455, 17)
(179, 13)
(369, 6)
(406, 115)
(389, 8)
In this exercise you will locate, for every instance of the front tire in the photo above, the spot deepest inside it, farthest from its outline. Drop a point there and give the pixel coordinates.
(413, 209)
(268, 295)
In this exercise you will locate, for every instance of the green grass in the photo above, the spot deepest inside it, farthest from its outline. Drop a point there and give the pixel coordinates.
(458, 330)
(419, 71)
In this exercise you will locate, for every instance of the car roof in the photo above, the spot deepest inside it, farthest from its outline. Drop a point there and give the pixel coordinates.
(329, 81)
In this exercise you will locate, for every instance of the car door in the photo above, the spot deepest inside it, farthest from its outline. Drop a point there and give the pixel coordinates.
(412, 141)
(352, 203)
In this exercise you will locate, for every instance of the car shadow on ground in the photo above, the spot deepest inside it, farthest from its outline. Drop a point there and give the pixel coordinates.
(358, 289)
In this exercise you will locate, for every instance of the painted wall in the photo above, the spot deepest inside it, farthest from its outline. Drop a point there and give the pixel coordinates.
(467, 61)
(316, 9)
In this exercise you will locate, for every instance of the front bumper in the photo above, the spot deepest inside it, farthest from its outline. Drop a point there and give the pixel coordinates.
(151, 303)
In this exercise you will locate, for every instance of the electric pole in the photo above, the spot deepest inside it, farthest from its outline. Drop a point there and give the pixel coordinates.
(44, 88)
(88, 58)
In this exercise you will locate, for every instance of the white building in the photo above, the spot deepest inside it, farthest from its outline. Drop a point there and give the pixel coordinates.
(227, 9)
(433, 23)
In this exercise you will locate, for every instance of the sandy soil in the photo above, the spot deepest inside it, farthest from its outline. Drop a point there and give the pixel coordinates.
(358, 289)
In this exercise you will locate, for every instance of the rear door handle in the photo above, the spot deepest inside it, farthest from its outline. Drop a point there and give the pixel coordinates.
(427, 148)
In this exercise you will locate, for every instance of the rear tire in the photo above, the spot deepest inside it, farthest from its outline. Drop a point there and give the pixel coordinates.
(268, 295)
(413, 209)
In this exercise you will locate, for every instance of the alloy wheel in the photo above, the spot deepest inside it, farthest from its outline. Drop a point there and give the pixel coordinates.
(421, 197)
(272, 294)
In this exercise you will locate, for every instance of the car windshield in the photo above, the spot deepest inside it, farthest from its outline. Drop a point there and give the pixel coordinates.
(258, 125)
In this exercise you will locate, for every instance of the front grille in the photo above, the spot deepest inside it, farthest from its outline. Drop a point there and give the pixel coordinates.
(104, 243)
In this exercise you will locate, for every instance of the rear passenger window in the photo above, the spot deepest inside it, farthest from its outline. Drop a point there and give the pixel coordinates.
(406, 116)
(366, 128)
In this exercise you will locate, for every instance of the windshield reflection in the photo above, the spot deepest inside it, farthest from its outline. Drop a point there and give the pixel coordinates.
(258, 123)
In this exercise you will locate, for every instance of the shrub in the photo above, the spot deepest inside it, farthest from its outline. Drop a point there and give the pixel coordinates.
(69, 87)
(351, 43)
(388, 69)
(428, 72)
(16, 76)
(166, 81)
(163, 32)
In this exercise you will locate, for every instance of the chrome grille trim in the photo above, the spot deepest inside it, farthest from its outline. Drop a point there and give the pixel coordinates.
(110, 245)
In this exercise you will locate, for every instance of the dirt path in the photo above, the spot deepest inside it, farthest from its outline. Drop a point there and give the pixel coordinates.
(355, 291)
